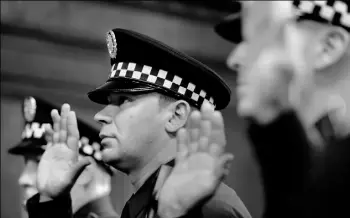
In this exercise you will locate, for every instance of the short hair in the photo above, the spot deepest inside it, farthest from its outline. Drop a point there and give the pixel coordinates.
(165, 100)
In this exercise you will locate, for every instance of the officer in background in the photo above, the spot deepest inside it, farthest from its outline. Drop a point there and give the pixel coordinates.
(148, 97)
(90, 193)
(293, 61)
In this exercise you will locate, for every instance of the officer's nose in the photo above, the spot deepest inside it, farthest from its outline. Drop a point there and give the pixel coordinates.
(28, 177)
(236, 59)
(104, 116)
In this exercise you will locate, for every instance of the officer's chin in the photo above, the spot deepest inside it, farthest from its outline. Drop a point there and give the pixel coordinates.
(24, 213)
(24, 205)
(111, 159)
(244, 108)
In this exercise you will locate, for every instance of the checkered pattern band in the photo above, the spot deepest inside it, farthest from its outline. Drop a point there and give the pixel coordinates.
(36, 131)
(335, 12)
(163, 79)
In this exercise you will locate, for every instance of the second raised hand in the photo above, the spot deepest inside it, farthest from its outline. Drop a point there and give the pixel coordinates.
(59, 166)
(201, 164)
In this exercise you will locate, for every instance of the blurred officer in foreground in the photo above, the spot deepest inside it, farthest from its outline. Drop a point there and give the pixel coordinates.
(293, 61)
(90, 194)
(149, 95)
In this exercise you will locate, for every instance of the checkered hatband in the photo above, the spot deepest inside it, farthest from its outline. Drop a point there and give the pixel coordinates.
(163, 79)
(335, 12)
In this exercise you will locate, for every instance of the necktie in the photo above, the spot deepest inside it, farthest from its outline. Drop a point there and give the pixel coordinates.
(141, 202)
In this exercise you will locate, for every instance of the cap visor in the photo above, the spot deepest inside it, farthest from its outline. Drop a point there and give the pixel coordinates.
(119, 85)
(230, 28)
(26, 147)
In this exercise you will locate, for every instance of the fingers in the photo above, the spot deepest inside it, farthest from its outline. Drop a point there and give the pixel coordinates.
(56, 137)
(205, 129)
(72, 125)
(207, 110)
(218, 129)
(193, 142)
(63, 123)
(56, 120)
(72, 132)
(64, 114)
(203, 144)
(217, 120)
(194, 125)
(194, 120)
(62, 136)
(49, 134)
(217, 123)
(208, 113)
(182, 149)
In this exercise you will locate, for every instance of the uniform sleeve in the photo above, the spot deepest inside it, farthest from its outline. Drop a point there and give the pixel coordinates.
(329, 184)
(282, 150)
(212, 211)
(58, 208)
(224, 204)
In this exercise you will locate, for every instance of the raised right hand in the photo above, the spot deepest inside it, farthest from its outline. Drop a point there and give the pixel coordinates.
(59, 167)
(201, 164)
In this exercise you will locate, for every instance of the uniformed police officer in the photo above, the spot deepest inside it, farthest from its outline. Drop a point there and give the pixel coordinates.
(149, 94)
(90, 193)
(293, 61)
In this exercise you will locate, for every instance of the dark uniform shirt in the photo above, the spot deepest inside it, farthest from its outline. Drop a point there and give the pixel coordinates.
(225, 203)
(61, 207)
(296, 182)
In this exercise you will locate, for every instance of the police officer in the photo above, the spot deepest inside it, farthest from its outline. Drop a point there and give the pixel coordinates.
(148, 97)
(293, 72)
(90, 193)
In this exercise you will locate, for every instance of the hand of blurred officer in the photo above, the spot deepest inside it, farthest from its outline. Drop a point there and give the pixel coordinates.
(59, 166)
(279, 73)
(201, 164)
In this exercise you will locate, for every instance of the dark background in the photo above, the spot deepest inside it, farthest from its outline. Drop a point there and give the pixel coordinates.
(56, 50)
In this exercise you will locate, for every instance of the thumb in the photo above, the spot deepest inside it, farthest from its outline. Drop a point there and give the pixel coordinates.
(79, 167)
(224, 165)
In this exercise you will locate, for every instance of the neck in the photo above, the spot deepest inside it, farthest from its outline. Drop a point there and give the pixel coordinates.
(139, 176)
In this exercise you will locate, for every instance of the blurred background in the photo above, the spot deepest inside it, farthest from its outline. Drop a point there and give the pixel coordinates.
(56, 50)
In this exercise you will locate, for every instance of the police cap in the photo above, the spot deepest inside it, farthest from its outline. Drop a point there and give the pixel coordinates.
(37, 115)
(335, 12)
(141, 64)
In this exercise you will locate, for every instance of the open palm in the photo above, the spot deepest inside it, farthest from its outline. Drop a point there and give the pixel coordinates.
(59, 166)
(201, 163)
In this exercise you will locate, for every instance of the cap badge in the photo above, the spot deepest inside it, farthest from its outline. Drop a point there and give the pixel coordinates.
(29, 108)
(111, 44)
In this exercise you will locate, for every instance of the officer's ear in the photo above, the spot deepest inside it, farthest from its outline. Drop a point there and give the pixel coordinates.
(333, 44)
(180, 111)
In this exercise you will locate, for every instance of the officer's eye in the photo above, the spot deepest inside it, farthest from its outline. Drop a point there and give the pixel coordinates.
(118, 100)
(123, 100)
